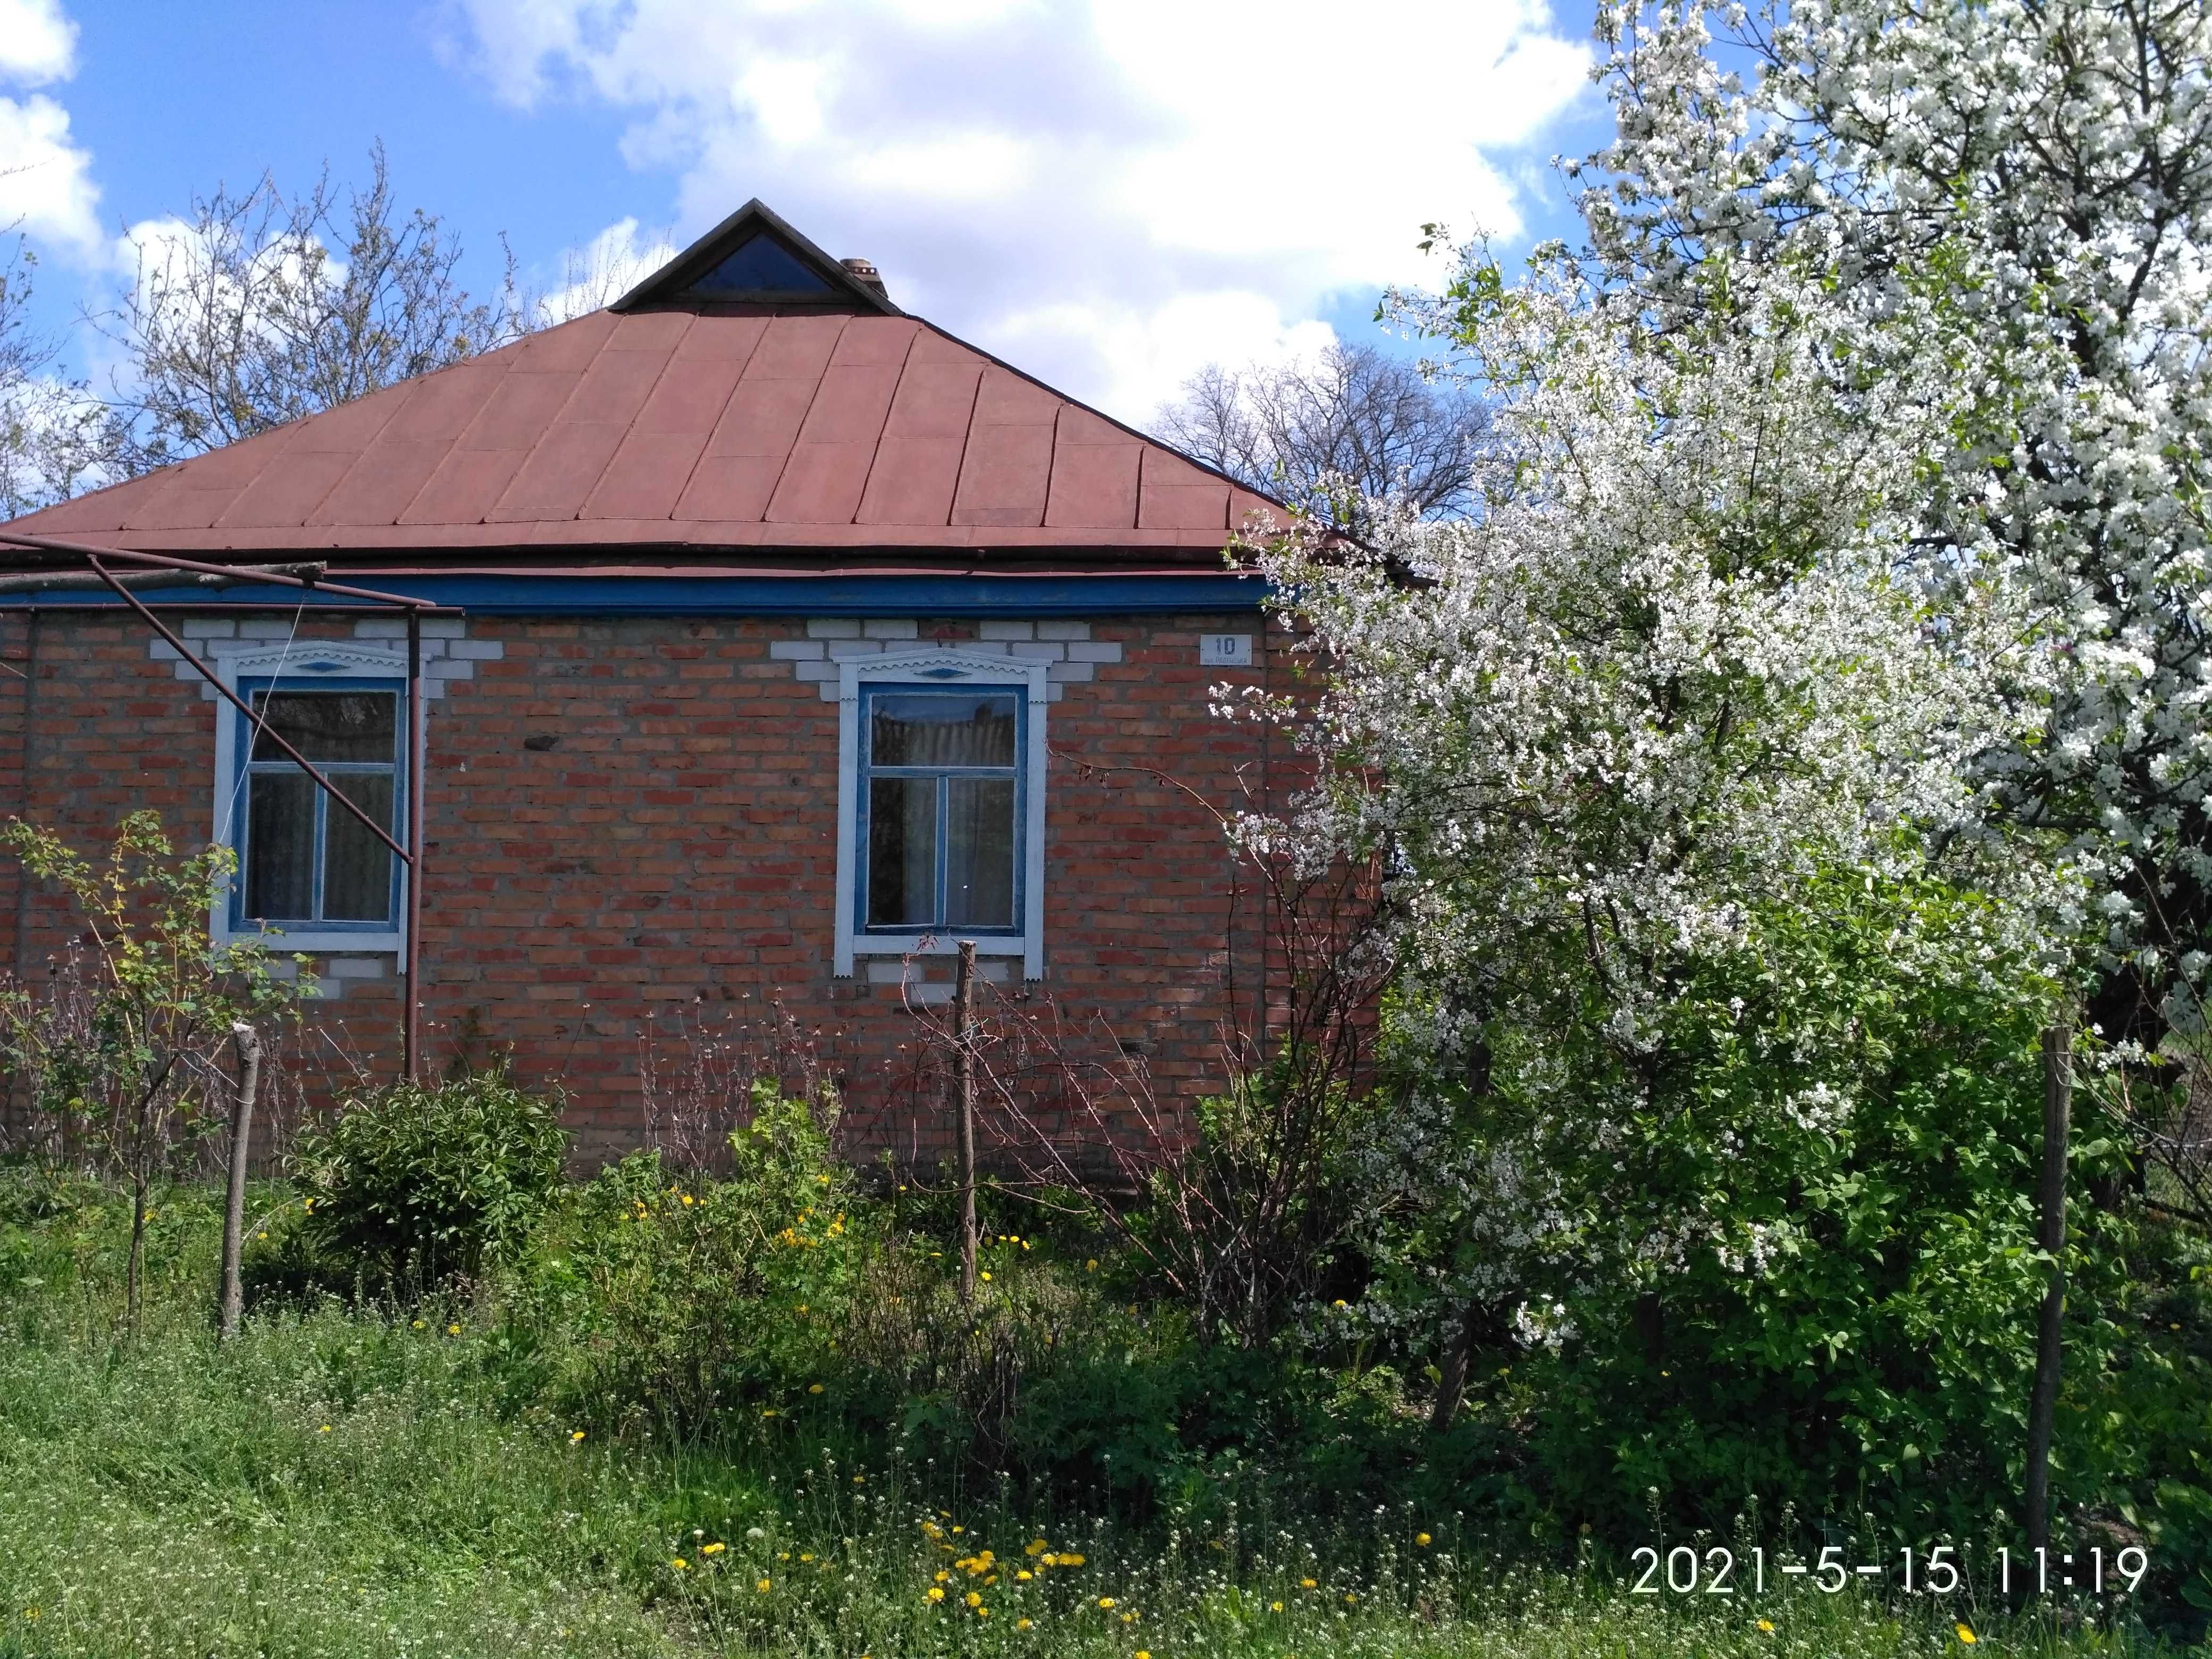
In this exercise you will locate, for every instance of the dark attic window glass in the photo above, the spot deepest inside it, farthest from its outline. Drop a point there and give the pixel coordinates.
(762, 267)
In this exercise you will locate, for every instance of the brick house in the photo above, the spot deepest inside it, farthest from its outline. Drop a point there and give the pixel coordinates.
(784, 639)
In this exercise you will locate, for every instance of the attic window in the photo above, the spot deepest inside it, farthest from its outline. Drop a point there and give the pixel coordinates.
(761, 268)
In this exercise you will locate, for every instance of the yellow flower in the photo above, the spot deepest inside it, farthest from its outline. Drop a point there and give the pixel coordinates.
(1025, 1575)
(1141, 1653)
(765, 1585)
(687, 1198)
(771, 1411)
(1036, 1546)
(1340, 1303)
(813, 1388)
(805, 1555)
(1070, 1558)
(680, 1565)
(934, 1593)
(265, 1235)
(453, 1330)
(1091, 1266)
(942, 1574)
(1349, 1596)
(1105, 1601)
(1307, 1584)
(984, 1275)
(1767, 1624)
(1021, 1624)
(993, 1579)
(1966, 1635)
(326, 1429)
(859, 1479)
(574, 1435)
(1421, 1539)
(974, 1599)
(713, 1549)
(1274, 1606)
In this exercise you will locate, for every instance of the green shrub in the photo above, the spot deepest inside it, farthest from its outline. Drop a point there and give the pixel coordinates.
(410, 1184)
(675, 1294)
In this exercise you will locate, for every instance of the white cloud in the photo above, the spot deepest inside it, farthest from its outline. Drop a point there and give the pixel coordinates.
(47, 189)
(1108, 191)
(605, 269)
(37, 42)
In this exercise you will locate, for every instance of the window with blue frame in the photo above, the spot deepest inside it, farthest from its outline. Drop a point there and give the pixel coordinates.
(941, 803)
(301, 860)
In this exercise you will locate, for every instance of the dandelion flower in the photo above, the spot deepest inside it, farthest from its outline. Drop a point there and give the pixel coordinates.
(1141, 1653)
(1340, 1303)
(1105, 1601)
(1421, 1539)
(1025, 1575)
(1022, 1623)
(974, 1599)
(1091, 1266)
(326, 1429)
(934, 1593)
(1767, 1624)
(453, 1330)
(984, 1275)
(805, 1555)
(763, 1586)
(814, 1388)
(1308, 1583)
(713, 1549)
(574, 1435)
(1070, 1558)
(680, 1565)
(1966, 1635)
(1274, 1606)
(859, 1479)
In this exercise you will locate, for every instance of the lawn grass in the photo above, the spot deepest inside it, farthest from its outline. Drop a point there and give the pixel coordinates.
(357, 1482)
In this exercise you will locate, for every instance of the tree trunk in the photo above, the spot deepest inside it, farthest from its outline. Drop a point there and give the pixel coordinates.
(241, 1138)
(2051, 1199)
(1451, 1387)
(963, 1027)
(135, 1269)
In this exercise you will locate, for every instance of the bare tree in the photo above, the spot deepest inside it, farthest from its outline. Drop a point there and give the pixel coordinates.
(1353, 427)
(54, 435)
(260, 309)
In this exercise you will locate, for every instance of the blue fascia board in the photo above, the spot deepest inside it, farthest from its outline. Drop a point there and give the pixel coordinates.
(493, 595)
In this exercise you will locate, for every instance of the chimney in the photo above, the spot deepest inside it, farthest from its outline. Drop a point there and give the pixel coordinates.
(864, 272)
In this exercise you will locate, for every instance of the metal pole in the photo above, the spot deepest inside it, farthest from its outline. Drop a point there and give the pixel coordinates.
(261, 727)
(963, 1032)
(261, 574)
(2051, 1204)
(241, 1144)
(413, 1033)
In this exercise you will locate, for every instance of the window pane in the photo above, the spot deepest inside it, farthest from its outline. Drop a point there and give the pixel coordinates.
(901, 852)
(356, 866)
(280, 847)
(937, 728)
(979, 852)
(328, 725)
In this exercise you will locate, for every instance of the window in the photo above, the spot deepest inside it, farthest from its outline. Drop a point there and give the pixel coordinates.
(304, 861)
(942, 805)
(943, 814)
(306, 867)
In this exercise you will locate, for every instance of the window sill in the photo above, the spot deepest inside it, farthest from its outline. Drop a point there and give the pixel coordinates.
(937, 945)
(313, 942)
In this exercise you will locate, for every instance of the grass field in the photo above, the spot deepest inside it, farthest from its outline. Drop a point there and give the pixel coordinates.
(340, 1482)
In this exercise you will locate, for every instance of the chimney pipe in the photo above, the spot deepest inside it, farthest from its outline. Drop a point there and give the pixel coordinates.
(864, 272)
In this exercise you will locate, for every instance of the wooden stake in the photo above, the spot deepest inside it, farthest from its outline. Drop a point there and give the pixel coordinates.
(2051, 1200)
(963, 1030)
(241, 1137)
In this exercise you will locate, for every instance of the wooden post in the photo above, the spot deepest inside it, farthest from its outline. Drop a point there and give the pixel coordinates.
(241, 1138)
(963, 1032)
(2051, 1200)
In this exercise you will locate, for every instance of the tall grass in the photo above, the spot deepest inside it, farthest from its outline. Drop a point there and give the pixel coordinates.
(363, 1481)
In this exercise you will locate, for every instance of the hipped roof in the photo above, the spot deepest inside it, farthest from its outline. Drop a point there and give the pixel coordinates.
(700, 423)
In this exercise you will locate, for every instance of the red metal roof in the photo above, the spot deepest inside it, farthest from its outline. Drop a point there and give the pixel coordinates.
(692, 427)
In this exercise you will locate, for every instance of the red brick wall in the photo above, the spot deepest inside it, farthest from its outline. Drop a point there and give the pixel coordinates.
(670, 857)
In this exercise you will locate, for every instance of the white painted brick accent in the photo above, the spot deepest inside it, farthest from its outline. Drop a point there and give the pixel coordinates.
(890, 627)
(355, 967)
(435, 672)
(840, 650)
(444, 628)
(824, 671)
(381, 627)
(983, 648)
(1005, 630)
(1038, 650)
(162, 651)
(257, 628)
(795, 650)
(1070, 671)
(1095, 651)
(477, 650)
(833, 627)
(1063, 631)
(894, 972)
(209, 627)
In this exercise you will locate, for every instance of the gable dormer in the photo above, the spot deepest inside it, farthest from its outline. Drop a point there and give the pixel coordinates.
(755, 262)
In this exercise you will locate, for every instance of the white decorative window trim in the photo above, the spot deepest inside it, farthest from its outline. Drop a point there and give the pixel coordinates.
(1064, 646)
(936, 667)
(322, 661)
(448, 653)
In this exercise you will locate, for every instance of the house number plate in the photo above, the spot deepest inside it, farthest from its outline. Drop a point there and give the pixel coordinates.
(1225, 650)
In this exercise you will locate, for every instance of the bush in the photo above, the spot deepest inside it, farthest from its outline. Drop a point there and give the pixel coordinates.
(410, 1185)
(673, 1294)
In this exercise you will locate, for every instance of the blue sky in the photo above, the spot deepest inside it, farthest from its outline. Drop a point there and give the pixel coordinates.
(1108, 193)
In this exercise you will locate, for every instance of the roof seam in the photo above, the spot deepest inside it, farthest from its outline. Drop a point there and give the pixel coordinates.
(967, 437)
(876, 455)
(799, 431)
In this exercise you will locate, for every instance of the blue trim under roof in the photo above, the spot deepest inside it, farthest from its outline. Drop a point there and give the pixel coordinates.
(490, 595)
